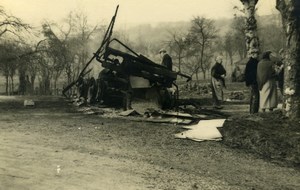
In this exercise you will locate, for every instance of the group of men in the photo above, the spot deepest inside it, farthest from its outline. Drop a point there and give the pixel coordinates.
(261, 76)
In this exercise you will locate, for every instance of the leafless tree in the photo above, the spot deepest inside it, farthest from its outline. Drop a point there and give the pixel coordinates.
(9, 62)
(84, 32)
(177, 43)
(229, 46)
(200, 37)
(11, 24)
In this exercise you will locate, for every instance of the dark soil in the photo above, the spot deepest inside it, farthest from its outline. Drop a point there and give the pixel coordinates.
(258, 151)
(269, 135)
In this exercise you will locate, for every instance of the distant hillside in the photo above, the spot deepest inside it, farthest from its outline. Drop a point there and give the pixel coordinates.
(269, 19)
(157, 33)
(154, 33)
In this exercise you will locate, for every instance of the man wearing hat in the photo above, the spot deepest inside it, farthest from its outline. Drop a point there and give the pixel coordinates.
(251, 82)
(166, 59)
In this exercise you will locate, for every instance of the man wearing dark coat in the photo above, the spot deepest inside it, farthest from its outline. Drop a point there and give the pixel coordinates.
(166, 59)
(251, 82)
(218, 74)
(267, 86)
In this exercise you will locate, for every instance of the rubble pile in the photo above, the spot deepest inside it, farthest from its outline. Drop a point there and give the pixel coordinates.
(195, 88)
(236, 96)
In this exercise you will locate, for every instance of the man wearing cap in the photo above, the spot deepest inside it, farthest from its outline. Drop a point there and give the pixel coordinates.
(166, 59)
(167, 62)
(251, 82)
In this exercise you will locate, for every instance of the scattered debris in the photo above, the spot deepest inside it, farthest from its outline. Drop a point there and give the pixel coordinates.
(142, 106)
(29, 103)
(154, 115)
(159, 116)
(131, 112)
(194, 86)
(91, 110)
(177, 114)
(169, 120)
(236, 96)
(58, 169)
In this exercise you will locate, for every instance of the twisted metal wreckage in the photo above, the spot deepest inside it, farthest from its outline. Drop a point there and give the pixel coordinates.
(128, 76)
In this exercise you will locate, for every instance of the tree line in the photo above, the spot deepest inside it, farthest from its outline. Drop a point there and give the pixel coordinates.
(60, 50)
(53, 52)
(194, 44)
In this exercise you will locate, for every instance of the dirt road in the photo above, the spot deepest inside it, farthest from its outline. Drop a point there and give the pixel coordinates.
(52, 147)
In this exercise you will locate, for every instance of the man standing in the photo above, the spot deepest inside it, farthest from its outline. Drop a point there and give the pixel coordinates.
(166, 59)
(251, 82)
(168, 93)
(218, 74)
(266, 76)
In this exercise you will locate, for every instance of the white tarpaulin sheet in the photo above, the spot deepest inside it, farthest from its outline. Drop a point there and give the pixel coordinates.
(204, 130)
(207, 123)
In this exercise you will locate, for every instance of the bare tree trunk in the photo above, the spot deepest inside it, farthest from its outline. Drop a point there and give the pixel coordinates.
(290, 12)
(252, 41)
(12, 84)
(204, 74)
(201, 59)
(6, 85)
(9, 87)
(32, 80)
(179, 62)
(69, 73)
(197, 76)
(55, 85)
(231, 59)
(22, 83)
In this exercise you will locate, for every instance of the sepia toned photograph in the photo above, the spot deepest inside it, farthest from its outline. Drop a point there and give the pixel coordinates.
(149, 95)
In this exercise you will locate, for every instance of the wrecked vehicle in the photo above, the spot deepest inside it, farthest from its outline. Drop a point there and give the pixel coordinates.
(127, 76)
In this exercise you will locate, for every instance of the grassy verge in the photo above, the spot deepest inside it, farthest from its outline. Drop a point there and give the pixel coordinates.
(268, 135)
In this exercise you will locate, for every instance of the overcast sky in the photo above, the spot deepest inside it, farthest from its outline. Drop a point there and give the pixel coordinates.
(130, 11)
